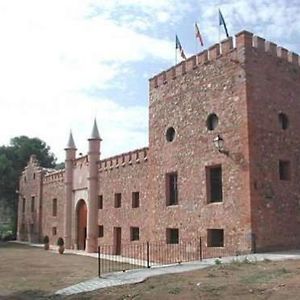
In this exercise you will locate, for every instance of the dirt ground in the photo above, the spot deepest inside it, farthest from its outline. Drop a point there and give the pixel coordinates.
(24, 269)
(30, 273)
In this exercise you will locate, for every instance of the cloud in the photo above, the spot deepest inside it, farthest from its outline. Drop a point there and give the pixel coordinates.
(59, 58)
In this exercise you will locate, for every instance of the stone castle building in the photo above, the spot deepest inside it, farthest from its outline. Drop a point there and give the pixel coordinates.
(223, 162)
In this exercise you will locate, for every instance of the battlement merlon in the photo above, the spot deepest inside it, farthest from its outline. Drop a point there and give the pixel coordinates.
(130, 158)
(243, 40)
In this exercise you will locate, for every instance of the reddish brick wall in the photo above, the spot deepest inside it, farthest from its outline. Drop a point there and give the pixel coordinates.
(30, 222)
(53, 188)
(215, 86)
(247, 87)
(124, 174)
(273, 87)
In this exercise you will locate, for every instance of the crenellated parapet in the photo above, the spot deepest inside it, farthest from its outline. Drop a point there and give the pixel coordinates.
(125, 159)
(242, 40)
(56, 176)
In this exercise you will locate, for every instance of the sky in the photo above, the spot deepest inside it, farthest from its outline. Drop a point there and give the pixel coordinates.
(65, 62)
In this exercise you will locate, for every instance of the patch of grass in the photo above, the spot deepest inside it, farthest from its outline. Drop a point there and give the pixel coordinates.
(174, 291)
(212, 289)
(264, 276)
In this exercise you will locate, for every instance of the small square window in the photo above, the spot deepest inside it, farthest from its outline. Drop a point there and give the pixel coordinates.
(214, 184)
(284, 170)
(100, 202)
(134, 233)
(100, 231)
(215, 238)
(118, 199)
(171, 189)
(135, 199)
(54, 231)
(172, 236)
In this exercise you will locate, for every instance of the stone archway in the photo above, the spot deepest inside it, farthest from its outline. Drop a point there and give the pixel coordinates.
(81, 213)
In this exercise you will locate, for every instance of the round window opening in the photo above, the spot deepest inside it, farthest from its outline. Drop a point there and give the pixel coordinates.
(170, 134)
(212, 122)
(283, 121)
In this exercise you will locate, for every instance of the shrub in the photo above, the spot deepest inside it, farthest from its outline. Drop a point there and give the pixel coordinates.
(46, 239)
(60, 241)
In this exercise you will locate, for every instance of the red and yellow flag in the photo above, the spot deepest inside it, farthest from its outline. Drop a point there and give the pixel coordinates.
(198, 34)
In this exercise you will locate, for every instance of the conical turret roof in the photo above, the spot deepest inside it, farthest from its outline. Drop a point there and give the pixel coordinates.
(71, 144)
(95, 132)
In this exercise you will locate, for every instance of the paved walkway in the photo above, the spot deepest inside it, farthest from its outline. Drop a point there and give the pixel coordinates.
(135, 276)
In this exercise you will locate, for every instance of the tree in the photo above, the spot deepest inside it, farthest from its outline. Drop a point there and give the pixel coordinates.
(13, 159)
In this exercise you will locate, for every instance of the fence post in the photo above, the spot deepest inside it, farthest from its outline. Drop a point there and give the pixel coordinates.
(99, 263)
(148, 255)
(200, 248)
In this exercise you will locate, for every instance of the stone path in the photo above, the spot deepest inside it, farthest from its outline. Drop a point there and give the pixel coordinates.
(135, 276)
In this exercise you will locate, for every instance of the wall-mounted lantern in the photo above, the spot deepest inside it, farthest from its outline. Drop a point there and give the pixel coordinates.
(219, 144)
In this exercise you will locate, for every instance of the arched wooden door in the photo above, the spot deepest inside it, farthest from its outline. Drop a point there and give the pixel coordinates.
(81, 224)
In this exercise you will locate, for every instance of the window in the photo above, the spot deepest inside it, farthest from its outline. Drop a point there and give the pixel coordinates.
(171, 189)
(100, 202)
(172, 236)
(135, 199)
(100, 231)
(134, 233)
(170, 134)
(214, 184)
(212, 122)
(118, 198)
(283, 121)
(54, 207)
(32, 203)
(215, 238)
(54, 231)
(284, 170)
(23, 205)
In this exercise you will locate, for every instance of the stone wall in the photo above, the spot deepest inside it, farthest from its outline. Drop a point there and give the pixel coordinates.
(273, 87)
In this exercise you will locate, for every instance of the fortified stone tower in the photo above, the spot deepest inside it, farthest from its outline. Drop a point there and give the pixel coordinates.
(70, 157)
(93, 158)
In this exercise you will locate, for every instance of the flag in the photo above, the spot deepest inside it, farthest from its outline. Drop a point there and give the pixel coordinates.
(222, 22)
(198, 34)
(178, 46)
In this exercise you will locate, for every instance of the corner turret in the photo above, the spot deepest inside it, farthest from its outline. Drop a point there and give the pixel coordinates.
(70, 157)
(93, 187)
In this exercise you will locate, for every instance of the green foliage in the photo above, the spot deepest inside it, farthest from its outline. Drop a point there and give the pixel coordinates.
(13, 159)
(218, 262)
(60, 241)
(46, 239)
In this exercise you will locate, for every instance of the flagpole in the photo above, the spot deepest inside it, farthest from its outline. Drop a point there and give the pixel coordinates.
(175, 51)
(219, 26)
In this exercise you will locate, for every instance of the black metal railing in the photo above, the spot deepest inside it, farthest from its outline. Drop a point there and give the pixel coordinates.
(146, 255)
(149, 254)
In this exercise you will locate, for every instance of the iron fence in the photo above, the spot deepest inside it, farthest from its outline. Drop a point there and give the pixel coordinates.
(151, 254)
